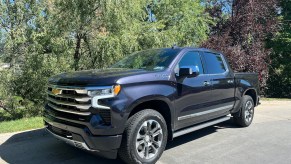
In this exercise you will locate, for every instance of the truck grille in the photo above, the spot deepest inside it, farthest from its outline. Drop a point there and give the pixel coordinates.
(73, 101)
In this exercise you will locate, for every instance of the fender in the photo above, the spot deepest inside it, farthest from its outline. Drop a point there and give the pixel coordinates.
(256, 94)
(155, 98)
(238, 104)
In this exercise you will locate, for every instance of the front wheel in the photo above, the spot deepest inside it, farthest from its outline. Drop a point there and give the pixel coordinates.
(145, 137)
(246, 116)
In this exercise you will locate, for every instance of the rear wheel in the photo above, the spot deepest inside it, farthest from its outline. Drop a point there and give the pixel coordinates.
(145, 137)
(246, 115)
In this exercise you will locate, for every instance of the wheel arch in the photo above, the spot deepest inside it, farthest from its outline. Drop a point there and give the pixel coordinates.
(160, 104)
(250, 92)
(253, 93)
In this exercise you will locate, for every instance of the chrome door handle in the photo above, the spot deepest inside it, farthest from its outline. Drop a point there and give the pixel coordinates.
(229, 81)
(206, 83)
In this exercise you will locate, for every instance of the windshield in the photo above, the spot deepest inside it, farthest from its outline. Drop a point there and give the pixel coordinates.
(155, 59)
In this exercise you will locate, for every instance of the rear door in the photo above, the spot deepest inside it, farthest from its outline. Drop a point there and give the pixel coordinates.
(222, 80)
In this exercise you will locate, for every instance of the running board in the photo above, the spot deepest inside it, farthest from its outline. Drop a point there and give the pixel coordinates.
(200, 126)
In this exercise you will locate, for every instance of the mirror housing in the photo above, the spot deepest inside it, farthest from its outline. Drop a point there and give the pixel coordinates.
(189, 71)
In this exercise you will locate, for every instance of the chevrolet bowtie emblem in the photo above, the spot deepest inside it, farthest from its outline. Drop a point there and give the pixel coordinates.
(57, 91)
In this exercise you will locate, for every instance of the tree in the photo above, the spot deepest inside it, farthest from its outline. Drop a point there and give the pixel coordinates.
(25, 34)
(105, 31)
(242, 36)
(280, 71)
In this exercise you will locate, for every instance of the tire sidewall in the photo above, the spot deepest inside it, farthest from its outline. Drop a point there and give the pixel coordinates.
(247, 99)
(157, 117)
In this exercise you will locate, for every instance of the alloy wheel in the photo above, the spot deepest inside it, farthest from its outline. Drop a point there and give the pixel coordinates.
(249, 111)
(149, 139)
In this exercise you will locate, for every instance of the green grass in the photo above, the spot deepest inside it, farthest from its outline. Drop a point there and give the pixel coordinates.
(21, 124)
(275, 99)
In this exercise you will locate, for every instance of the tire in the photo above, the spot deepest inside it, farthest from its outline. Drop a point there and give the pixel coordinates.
(138, 138)
(246, 115)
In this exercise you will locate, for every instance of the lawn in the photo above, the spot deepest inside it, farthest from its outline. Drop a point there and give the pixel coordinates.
(21, 124)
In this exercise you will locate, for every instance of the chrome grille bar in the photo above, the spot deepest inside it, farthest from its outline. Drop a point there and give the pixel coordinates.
(77, 98)
(79, 106)
(68, 111)
(77, 90)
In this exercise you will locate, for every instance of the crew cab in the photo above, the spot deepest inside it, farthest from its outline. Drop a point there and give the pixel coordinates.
(134, 107)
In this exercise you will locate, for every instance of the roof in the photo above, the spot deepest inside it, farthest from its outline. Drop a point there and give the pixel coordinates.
(186, 48)
(198, 49)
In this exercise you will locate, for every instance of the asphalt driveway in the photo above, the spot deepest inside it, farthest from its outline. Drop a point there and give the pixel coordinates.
(267, 140)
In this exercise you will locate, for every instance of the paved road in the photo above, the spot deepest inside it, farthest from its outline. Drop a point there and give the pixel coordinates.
(267, 140)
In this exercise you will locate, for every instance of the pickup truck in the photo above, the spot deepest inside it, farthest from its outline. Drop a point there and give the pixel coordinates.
(134, 107)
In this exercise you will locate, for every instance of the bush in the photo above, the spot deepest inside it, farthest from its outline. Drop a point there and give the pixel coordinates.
(13, 105)
(17, 107)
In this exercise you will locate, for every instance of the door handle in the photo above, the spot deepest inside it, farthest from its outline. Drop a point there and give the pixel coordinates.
(230, 81)
(206, 83)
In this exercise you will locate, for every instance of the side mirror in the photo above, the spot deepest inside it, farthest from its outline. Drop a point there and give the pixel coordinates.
(189, 71)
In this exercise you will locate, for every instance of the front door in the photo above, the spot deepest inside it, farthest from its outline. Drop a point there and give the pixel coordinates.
(192, 92)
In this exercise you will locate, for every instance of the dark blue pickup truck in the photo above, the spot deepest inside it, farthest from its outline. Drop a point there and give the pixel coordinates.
(134, 107)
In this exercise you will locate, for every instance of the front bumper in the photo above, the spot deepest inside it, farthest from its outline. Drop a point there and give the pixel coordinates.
(105, 146)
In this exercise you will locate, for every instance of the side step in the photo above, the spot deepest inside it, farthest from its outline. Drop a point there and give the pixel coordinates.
(200, 126)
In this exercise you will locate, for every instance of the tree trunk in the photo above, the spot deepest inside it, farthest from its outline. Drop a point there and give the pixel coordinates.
(77, 52)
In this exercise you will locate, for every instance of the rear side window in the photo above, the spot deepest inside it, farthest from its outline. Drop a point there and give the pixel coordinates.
(191, 59)
(214, 63)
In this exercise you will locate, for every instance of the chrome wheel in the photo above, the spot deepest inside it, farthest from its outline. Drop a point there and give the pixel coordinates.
(149, 139)
(249, 111)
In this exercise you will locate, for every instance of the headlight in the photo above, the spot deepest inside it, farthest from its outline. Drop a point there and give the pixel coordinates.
(114, 90)
(103, 93)
(100, 92)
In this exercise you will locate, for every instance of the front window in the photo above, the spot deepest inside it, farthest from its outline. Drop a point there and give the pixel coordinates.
(190, 59)
(155, 59)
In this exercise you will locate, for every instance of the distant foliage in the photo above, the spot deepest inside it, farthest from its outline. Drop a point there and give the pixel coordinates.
(279, 84)
(242, 32)
(101, 32)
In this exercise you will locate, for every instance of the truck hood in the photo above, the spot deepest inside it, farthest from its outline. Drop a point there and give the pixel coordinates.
(99, 77)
